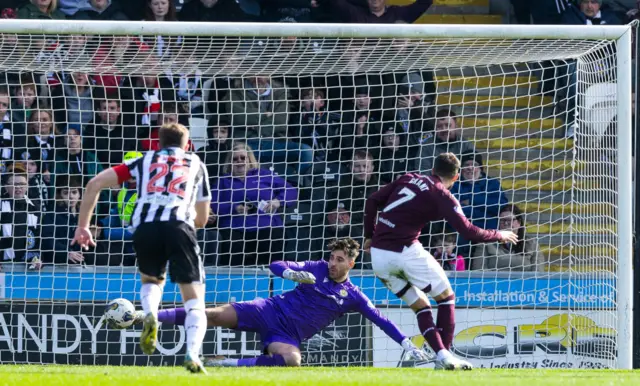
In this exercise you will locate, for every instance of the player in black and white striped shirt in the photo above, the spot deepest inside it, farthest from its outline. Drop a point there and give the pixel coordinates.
(169, 182)
(173, 198)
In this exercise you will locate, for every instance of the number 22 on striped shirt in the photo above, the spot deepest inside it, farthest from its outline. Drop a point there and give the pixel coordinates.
(179, 172)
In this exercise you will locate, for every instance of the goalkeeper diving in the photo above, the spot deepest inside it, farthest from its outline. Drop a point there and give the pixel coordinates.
(284, 321)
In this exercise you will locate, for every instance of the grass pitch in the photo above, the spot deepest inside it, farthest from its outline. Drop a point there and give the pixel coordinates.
(167, 376)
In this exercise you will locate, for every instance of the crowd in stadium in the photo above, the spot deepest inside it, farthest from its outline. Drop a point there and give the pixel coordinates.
(311, 149)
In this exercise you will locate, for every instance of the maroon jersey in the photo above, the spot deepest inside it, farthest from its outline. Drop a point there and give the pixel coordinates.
(407, 205)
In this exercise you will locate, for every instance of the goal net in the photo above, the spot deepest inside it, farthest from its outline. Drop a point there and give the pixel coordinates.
(298, 125)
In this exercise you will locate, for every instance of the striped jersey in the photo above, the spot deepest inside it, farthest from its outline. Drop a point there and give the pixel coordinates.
(169, 183)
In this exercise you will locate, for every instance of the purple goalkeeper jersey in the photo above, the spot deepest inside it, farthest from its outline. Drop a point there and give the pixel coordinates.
(410, 203)
(309, 308)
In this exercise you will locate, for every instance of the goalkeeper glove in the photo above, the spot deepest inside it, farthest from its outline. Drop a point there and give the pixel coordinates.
(299, 276)
(414, 353)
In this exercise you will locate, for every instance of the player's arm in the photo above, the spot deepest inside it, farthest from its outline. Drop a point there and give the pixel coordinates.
(369, 311)
(106, 178)
(452, 212)
(203, 200)
(374, 203)
(298, 272)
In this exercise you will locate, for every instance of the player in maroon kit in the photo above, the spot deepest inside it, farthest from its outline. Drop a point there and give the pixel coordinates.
(398, 259)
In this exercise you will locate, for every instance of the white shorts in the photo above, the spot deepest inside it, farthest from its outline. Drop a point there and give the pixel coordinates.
(413, 266)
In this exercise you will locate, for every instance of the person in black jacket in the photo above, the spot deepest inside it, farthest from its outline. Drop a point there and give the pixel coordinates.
(396, 158)
(213, 10)
(102, 10)
(215, 153)
(589, 12)
(59, 226)
(106, 136)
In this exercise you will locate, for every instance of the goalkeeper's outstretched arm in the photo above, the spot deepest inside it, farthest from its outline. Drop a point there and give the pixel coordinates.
(294, 271)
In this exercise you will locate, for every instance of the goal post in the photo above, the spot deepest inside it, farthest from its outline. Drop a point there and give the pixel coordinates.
(561, 153)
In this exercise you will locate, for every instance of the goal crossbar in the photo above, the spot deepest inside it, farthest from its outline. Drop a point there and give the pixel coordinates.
(407, 31)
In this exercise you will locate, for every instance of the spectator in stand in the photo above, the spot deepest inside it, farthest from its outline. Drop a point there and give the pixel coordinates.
(73, 100)
(589, 12)
(19, 221)
(259, 109)
(25, 98)
(396, 158)
(6, 140)
(248, 201)
(523, 256)
(41, 9)
(260, 106)
(169, 116)
(149, 92)
(344, 204)
(411, 109)
(216, 152)
(38, 190)
(377, 11)
(74, 160)
(362, 135)
(59, 226)
(106, 136)
(443, 249)
(162, 10)
(111, 52)
(360, 128)
(190, 96)
(102, 10)
(71, 7)
(481, 197)
(313, 126)
(40, 142)
(213, 10)
(447, 138)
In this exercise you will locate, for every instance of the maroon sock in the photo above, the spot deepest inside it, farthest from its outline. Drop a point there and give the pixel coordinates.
(446, 323)
(429, 329)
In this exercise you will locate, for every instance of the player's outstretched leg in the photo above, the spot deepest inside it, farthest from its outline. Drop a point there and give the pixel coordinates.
(281, 354)
(259, 361)
(195, 324)
(150, 297)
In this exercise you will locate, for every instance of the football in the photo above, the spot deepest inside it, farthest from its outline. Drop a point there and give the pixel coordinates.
(119, 313)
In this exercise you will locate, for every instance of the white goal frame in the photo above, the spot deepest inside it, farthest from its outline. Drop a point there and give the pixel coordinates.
(621, 34)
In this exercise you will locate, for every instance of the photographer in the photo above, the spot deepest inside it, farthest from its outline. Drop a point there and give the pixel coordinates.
(248, 202)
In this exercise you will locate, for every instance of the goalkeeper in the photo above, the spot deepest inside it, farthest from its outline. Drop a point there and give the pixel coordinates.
(325, 293)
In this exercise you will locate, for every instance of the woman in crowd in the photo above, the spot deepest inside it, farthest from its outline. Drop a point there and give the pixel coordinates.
(162, 10)
(247, 201)
(41, 138)
(523, 256)
(41, 9)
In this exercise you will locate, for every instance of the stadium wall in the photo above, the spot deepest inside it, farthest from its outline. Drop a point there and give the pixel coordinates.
(55, 318)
